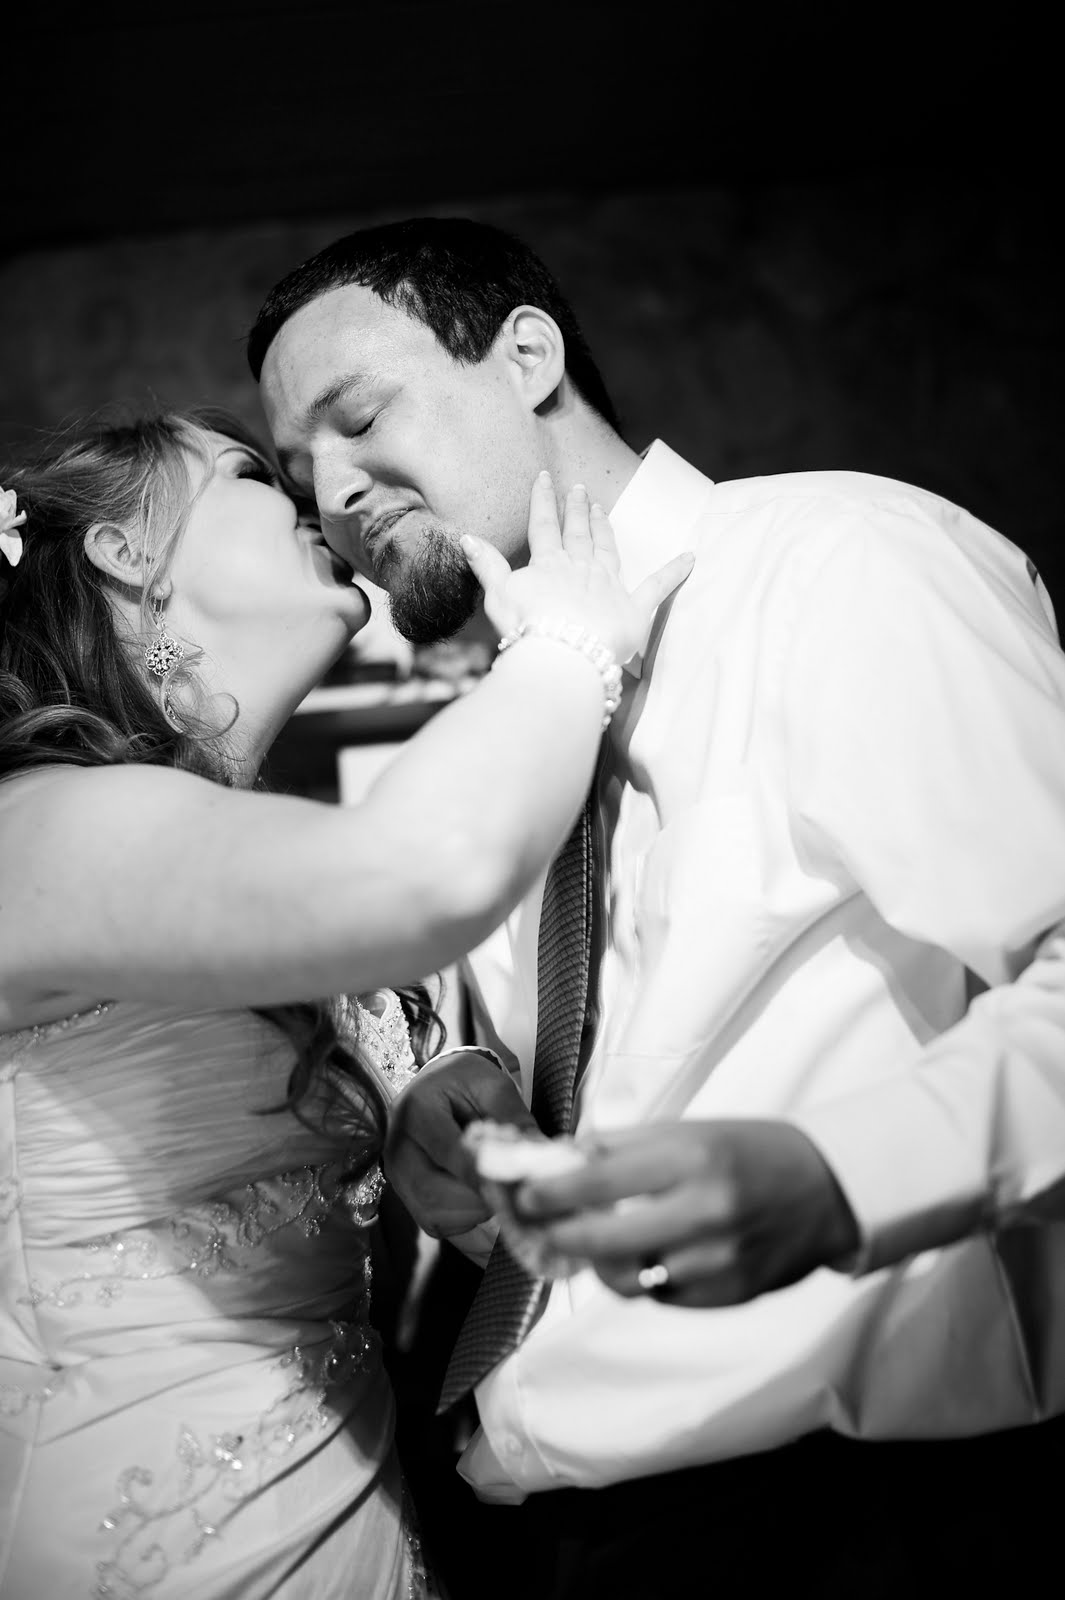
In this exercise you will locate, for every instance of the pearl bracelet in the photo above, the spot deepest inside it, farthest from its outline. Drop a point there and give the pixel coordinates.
(590, 645)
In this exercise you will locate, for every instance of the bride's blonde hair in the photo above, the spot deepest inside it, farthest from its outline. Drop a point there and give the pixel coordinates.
(71, 687)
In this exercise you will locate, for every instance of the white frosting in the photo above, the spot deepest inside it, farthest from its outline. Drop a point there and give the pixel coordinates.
(505, 1154)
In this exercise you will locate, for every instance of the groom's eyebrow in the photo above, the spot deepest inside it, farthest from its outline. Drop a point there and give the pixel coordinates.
(326, 398)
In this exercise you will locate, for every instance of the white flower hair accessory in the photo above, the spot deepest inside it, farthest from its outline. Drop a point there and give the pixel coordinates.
(10, 538)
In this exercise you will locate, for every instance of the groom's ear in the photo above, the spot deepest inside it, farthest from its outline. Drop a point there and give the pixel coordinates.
(110, 548)
(534, 350)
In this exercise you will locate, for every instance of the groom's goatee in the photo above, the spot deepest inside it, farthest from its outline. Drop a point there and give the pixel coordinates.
(435, 595)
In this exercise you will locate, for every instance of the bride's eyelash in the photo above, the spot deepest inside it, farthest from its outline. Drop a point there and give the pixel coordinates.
(254, 467)
(251, 467)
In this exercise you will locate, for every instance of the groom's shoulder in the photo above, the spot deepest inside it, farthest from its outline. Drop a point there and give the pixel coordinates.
(814, 513)
(857, 492)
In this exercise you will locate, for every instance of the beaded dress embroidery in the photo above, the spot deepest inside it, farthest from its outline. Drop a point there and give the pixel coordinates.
(191, 1397)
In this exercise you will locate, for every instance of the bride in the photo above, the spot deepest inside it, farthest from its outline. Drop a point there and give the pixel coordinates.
(191, 1398)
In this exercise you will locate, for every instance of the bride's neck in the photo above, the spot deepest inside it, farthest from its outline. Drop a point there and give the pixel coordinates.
(246, 710)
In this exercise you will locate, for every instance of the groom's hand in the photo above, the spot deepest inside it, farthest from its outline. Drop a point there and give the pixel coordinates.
(730, 1209)
(425, 1160)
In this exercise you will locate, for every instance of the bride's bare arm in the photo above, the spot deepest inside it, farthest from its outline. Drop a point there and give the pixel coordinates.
(146, 882)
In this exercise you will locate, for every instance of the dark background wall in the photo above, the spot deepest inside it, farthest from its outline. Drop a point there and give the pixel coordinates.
(797, 237)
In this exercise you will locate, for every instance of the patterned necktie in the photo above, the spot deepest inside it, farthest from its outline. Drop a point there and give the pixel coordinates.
(508, 1297)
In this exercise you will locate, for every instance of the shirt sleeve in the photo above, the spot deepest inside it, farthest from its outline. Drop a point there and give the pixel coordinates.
(973, 1139)
(926, 769)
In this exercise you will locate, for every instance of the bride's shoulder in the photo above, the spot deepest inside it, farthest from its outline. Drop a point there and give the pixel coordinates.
(24, 796)
(21, 794)
(49, 789)
(30, 780)
(53, 818)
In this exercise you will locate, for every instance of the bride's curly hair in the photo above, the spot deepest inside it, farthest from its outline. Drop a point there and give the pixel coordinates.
(74, 692)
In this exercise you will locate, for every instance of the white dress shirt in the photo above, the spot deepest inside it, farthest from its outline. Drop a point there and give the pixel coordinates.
(835, 804)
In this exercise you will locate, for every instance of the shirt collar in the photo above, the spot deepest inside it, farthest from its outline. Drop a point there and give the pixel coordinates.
(655, 515)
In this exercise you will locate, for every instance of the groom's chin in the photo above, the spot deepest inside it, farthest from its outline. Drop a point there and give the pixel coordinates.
(431, 623)
(425, 613)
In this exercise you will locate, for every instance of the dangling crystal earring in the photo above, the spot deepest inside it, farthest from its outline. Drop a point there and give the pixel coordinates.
(161, 654)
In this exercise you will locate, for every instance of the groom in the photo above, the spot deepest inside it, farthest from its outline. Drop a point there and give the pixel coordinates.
(819, 1063)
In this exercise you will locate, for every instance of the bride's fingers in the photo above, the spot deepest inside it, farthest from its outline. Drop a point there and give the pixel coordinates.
(605, 546)
(488, 565)
(545, 535)
(576, 532)
(661, 584)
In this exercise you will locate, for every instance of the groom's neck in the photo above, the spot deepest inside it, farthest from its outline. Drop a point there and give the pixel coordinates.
(587, 451)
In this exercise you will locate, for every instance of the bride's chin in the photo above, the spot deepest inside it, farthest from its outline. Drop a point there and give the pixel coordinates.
(347, 610)
(358, 609)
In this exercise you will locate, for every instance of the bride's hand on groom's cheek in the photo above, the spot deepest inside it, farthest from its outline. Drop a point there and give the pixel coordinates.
(426, 1162)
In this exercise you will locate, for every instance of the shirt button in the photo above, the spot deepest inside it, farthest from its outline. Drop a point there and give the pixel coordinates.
(511, 1447)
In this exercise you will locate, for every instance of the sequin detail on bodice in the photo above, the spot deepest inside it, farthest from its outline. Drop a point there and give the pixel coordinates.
(219, 1471)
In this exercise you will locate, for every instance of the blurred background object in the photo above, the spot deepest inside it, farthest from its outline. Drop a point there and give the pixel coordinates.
(796, 236)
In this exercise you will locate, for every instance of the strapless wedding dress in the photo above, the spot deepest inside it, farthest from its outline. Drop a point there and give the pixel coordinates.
(192, 1401)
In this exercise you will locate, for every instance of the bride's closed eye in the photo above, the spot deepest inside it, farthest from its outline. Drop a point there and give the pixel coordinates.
(260, 471)
(255, 467)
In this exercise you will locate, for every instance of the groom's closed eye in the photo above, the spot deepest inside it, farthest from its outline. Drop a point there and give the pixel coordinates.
(358, 426)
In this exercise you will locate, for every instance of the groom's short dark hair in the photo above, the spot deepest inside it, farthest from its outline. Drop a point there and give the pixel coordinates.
(460, 278)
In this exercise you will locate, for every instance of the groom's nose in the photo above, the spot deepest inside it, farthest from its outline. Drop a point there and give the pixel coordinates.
(340, 488)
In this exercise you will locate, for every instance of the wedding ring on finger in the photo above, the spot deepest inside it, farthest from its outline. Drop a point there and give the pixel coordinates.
(653, 1278)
